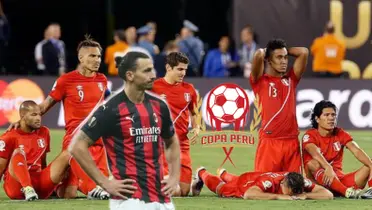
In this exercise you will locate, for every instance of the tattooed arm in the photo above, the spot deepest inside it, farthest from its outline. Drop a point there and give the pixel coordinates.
(47, 104)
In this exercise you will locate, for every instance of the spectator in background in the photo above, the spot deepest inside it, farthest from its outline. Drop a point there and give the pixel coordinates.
(39, 50)
(119, 46)
(53, 56)
(192, 46)
(4, 38)
(328, 53)
(160, 60)
(246, 52)
(131, 36)
(146, 40)
(219, 62)
(153, 26)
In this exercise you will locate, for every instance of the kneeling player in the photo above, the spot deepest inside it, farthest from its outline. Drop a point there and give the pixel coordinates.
(323, 154)
(260, 186)
(181, 98)
(23, 158)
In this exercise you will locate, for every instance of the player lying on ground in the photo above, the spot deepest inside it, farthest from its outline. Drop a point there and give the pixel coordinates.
(323, 155)
(23, 154)
(181, 98)
(276, 88)
(135, 126)
(260, 186)
(80, 91)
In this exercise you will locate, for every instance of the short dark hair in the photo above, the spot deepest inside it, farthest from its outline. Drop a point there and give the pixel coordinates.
(318, 110)
(174, 58)
(128, 62)
(120, 34)
(88, 42)
(273, 45)
(295, 182)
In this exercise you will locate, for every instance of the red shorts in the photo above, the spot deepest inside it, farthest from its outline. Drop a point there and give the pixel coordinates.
(277, 155)
(41, 182)
(347, 179)
(186, 170)
(98, 154)
(230, 189)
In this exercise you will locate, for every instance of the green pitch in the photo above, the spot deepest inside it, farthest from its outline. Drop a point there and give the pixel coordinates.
(211, 158)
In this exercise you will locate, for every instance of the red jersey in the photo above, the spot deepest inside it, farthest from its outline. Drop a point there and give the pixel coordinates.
(181, 99)
(36, 145)
(80, 94)
(277, 96)
(267, 182)
(332, 148)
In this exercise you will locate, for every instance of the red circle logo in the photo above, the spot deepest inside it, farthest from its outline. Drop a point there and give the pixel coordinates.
(13, 94)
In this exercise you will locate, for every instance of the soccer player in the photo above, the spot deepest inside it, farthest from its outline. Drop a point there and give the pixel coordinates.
(23, 154)
(323, 147)
(261, 186)
(278, 148)
(80, 91)
(134, 125)
(181, 98)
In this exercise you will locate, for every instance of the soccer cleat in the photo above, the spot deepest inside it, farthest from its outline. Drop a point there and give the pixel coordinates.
(197, 184)
(98, 194)
(30, 193)
(352, 193)
(220, 171)
(367, 194)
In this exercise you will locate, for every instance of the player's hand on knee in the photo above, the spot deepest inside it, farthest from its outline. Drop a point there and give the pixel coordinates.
(329, 175)
(13, 125)
(120, 187)
(171, 185)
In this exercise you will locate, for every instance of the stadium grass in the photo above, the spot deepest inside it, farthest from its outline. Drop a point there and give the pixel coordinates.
(211, 158)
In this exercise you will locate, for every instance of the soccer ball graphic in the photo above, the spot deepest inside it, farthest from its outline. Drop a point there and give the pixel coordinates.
(228, 103)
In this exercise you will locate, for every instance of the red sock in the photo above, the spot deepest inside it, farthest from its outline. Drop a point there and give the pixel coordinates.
(86, 184)
(227, 177)
(336, 185)
(20, 169)
(210, 180)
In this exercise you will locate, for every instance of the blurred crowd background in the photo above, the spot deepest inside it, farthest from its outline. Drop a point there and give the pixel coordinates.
(40, 37)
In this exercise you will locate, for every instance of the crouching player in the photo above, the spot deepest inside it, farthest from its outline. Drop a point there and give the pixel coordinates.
(23, 158)
(260, 186)
(323, 147)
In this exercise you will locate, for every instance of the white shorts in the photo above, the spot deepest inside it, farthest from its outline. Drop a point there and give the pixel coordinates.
(136, 204)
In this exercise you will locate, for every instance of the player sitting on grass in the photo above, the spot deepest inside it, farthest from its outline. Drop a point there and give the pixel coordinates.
(260, 186)
(23, 158)
(323, 147)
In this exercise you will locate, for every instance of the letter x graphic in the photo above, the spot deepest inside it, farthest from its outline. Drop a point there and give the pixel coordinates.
(227, 153)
